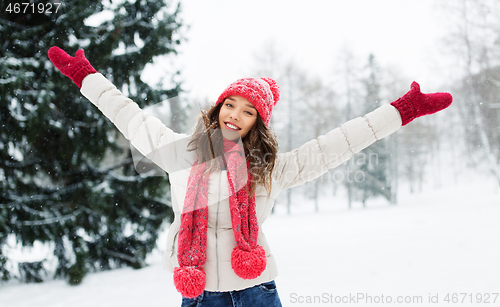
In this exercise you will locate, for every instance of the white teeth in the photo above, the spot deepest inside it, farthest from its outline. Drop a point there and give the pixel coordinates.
(232, 126)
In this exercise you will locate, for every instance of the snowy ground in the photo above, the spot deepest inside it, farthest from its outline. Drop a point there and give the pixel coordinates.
(432, 244)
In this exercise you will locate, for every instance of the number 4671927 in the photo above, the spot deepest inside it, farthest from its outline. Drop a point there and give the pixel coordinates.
(41, 8)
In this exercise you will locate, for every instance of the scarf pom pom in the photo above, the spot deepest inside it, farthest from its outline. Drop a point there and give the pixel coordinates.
(189, 281)
(248, 264)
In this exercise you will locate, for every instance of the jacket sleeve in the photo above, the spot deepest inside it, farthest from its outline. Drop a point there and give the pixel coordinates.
(146, 133)
(317, 156)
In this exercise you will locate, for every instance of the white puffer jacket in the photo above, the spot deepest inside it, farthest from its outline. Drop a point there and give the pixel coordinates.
(169, 150)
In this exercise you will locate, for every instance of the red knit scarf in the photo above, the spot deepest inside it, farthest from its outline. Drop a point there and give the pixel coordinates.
(248, 259)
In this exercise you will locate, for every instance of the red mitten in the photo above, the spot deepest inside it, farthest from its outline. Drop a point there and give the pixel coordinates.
(415, 104)
(76, 68)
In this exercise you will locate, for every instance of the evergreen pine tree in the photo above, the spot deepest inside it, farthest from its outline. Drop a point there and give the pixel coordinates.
(371, 177)
(56, 186)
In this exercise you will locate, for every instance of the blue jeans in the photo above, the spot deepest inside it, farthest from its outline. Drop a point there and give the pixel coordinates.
(263, 295)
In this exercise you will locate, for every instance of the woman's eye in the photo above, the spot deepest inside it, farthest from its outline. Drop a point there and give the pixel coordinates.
(229, 105)
(249, 113)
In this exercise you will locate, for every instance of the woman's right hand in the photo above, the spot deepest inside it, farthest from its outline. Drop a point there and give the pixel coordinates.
(76, 68)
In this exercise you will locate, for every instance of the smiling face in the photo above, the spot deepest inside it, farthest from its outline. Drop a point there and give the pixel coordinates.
(237, 115)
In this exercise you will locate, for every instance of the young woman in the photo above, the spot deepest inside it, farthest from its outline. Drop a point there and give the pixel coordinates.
(226, 176)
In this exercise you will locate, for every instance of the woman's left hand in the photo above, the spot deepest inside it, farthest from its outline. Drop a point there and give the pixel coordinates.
(415, 103)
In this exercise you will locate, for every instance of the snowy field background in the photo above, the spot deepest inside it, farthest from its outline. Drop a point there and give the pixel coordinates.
(433, 243)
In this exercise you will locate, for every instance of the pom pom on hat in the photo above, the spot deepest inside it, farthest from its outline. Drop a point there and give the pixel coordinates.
(248, 264)
(189, 281)
(274, 89)
(263, 93)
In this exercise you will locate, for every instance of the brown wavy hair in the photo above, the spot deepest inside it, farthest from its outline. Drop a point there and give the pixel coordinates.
(260, 145)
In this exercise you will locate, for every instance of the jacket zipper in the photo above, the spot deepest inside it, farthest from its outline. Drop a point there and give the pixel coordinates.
(216, 231)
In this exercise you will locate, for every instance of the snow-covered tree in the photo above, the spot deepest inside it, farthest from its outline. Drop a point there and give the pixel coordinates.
(474, 43)
(65, 179)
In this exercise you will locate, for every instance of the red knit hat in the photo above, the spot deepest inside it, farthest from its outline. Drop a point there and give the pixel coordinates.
(263, 93)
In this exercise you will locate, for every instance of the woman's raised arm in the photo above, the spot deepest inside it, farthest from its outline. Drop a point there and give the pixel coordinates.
(317, 156)
(146, 133)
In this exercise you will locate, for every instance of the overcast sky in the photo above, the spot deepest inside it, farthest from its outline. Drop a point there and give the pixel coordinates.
(224, 35)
